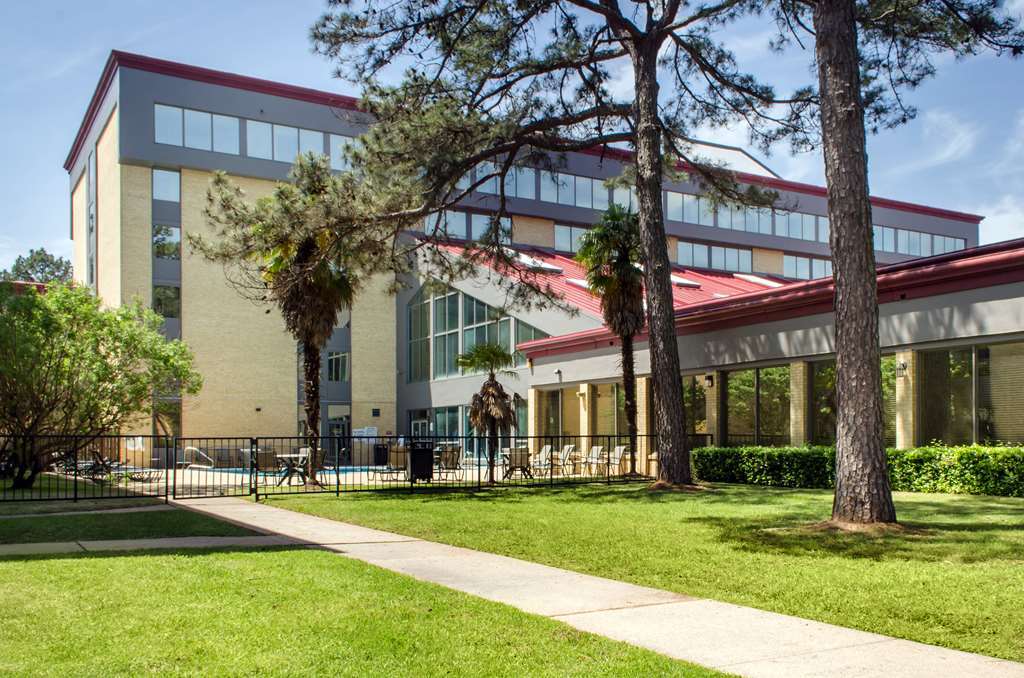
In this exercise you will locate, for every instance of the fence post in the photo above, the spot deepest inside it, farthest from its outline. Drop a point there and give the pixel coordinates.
(337, 466)
(167, 475)
(254, 487)
(75, 483)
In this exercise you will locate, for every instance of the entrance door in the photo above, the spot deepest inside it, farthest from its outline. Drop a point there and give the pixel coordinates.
(420, 428)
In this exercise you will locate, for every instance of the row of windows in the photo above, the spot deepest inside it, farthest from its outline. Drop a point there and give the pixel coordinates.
(699, 255)
(205, 131)
(567, 238)
(914, 243)
(465, 226)
(453, 323)
(805, 268)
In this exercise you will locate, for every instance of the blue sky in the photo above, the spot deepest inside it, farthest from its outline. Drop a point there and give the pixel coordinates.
(965, 151)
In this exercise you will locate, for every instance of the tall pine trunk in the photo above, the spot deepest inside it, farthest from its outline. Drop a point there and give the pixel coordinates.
(862, 482)
(629, 389)
(311, 405)
(673, 452)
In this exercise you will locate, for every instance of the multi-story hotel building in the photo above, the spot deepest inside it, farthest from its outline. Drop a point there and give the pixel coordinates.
(752, 286)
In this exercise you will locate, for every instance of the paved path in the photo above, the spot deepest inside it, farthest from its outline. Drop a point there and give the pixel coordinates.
(142, 544)
(728, 637)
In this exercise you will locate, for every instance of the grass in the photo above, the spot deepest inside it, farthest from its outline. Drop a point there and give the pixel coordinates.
(49, 486)
(956, 578)
(17, 508)
(279, 612)
(141, 525)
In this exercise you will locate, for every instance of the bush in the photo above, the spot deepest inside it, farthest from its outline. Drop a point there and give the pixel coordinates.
(936, 468)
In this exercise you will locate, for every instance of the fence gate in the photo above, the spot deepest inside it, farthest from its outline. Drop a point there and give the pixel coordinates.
(212, 467)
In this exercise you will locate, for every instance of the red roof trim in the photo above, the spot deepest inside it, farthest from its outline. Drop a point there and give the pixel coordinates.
(809, 189)
(118, 59)
(986, 266)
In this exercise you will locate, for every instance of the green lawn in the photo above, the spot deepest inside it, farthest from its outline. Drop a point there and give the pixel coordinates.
(50, 486)
(278, 612)
(17, 508)
(141, 525)
(955, 579)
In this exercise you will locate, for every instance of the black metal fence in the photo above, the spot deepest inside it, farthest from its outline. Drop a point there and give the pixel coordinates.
(78, 467)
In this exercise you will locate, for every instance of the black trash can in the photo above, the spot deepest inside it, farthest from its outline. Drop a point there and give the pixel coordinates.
(421, 461)
(380, 454)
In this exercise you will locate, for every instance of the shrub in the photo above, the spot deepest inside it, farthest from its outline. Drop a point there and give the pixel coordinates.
(936, 468)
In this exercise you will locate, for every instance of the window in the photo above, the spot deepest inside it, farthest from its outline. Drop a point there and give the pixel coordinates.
(673, 206)
(567, 238)
(337, 366)
(198, 130)
(225, 134)
(450, 222)
(259, 140)
(483, 324)
(1000, 397)
(446, 421)
(721, 258)
(166, 186)
(823, 229)
(695, 405)
(167, 124)
(947, 393)
(757, 406)
(286, 143)
(311, 141)
(625, 197)
(480, 224)
(339, 144)
(166, 241)
(446, 334)
(566, 189)
(167, 301)
(821, 268)
(693, 254)
(805, 268)
(419, 338)
(524, 333)
(526, 183)
(487, 169)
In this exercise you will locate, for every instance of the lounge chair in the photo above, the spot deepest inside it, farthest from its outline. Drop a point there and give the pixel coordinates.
(449, 462)
(567, 460)
(595, 459)
(517, 459)
(142, 474)
(541, 462)
(615, 460)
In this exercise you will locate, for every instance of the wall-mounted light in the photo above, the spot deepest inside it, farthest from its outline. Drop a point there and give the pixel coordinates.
(901, 369)
(709, 380)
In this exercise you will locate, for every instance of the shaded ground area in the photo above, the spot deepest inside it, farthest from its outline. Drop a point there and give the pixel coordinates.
(15, 508)
(955, 579)
(96, 526)
(284, 611)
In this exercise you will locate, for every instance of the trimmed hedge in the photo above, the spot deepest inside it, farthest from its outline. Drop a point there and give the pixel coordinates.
(972, 469)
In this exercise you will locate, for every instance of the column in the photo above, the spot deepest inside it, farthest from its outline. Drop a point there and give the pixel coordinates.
(907, 397)
(533, 418)
(647, 451)
(799, 403)
(713, 402)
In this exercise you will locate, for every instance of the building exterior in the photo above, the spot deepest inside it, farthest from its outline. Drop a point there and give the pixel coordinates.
(155, 131)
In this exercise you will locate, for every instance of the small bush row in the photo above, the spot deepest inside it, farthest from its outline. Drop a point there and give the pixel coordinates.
(936, 468)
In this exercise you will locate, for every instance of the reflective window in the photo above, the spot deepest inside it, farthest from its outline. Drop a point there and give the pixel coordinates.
(487, 169)
(225, 134)
(167, 301)
(566, 188)
(166, 241)
(419, 337)
(480, 224)
(337, 366)
(338, 145)
(259, 140)
(166, 185)
(286, 143)
(167, 124)
(198, 130)
(526, 182)
(947, 407)
(567, 238)
(446, 334)
(311, 141)
(673, 206)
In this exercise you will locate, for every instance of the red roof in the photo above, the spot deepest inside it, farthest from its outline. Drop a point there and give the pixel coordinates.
(986, 266)
(710, 285)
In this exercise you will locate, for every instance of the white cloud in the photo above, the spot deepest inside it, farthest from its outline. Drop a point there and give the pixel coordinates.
(1015, 8)
(945, 139)
(620, 84)
(1004, 219)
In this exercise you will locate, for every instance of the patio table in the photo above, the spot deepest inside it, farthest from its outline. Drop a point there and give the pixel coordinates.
(292, 465)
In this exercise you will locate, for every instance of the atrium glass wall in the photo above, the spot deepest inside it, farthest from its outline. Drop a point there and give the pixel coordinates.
(550, 415)
(757, 406)
(947, 397)
(825, 405)
(1000, 395)
(609, 410)
(695, 405)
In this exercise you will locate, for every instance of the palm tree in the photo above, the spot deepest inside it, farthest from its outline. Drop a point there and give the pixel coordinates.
(310, 292)
(491, 409)
(610, 251)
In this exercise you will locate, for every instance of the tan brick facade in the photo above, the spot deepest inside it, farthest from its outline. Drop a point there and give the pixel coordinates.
(109, 261)
(907, 397)
(533, 231)
(647, 459)
(247, 359)
(767, 261)
(799, 396)
(374, 348)
(136, 234)
(78, 230)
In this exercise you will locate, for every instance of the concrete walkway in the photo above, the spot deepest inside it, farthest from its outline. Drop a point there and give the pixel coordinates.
(38, 548)
(731, 638)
